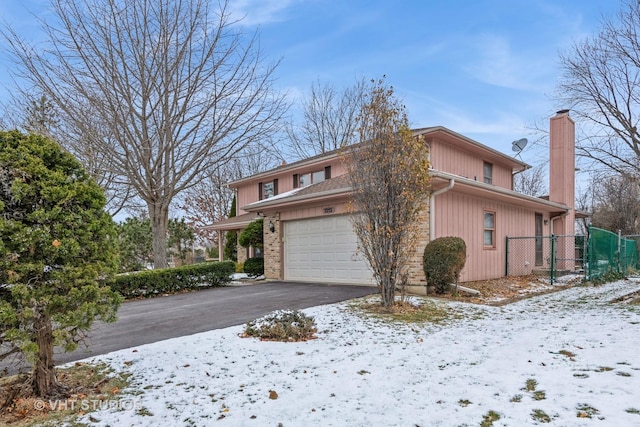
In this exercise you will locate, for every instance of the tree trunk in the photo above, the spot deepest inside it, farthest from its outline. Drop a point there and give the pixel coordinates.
(159, 215)
(44, 374)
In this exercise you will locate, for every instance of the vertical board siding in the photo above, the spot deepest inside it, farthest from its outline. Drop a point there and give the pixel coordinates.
(452, 160)
(462, 216)
(310, 212)
(248, 192)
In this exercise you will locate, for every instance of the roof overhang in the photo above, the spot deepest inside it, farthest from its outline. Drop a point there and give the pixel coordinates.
(471, 146)
(480, 189)
(234, 223)
(440, 132)
(275, 204)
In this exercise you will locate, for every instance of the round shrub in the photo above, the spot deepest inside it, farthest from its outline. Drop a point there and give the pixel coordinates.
(254, 267)
(282, 325)
(252, 235)
(443, 260)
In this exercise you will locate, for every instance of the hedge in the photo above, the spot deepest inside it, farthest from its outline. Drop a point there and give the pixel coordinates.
(151, 283)
(254, 267)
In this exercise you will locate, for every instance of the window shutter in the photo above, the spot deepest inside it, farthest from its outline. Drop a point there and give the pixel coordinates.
(327, 172)
(259, 191)
(296, 181)
(275, 187)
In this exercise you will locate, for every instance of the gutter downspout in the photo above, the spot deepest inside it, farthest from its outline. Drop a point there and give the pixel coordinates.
(553, 248)
(557, 217)
(432, 210)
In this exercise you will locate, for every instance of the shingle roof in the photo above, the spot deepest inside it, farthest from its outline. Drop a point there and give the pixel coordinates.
(233, 223)
(333, 186)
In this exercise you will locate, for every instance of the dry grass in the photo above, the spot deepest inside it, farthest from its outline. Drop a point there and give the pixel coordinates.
(505, 290)
(408, 312)
(83, 382)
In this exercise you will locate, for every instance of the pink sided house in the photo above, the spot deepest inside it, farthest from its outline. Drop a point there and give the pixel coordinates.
(308, 234)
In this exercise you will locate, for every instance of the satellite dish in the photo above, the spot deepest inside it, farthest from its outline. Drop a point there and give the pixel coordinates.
(519, 145)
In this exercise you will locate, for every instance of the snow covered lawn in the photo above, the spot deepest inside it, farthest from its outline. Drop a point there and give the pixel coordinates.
(569, 358)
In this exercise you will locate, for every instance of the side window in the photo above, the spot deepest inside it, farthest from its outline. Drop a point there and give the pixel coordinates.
(268, 190)
(489, 238)
(312, 178)
(488, 173)
(317, 176)
(305, 180)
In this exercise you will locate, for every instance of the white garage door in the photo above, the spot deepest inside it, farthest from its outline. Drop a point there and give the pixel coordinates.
(324, 250)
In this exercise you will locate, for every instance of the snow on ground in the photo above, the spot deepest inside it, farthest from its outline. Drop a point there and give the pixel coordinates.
(241, 279)
(580, 350)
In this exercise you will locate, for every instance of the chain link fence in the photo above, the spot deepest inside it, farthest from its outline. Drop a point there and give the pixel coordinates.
(553, 256)
(550, 256)
(609, 251)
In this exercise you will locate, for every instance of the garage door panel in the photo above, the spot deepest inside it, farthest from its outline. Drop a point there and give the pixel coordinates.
(323, 250)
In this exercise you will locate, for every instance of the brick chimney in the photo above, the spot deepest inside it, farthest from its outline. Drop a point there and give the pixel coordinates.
(562, 168)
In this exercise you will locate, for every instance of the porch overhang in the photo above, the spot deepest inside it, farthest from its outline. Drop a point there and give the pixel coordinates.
(235, 223)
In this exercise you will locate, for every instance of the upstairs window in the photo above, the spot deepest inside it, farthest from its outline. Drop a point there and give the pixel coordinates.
(313, 177)
(489, 230)
(488, 173)
(267, 189)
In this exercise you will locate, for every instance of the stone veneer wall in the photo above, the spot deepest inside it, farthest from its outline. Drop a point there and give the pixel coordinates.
(272, 248)
(242, 252)
(416, 272)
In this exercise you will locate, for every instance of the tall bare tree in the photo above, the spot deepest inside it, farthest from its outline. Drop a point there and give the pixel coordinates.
(163, 89)
(616, 204)
(329, 119)
(584, 203)
(389, 174)
(601, 84)
(209, 200)
(531, 181)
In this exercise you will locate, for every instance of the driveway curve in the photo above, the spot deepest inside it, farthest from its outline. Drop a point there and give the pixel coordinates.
(156, 319)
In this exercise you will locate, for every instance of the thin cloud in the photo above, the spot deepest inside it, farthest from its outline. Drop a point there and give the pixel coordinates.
(259, 12)
(497, 64)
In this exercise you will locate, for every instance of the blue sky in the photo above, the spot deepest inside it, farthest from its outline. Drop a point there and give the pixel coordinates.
(486, 68)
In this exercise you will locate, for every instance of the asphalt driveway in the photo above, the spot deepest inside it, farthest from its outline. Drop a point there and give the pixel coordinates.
(156, 319)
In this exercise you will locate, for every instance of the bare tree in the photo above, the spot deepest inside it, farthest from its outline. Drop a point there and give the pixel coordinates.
(600, 84)
(41, 116)
(531, 181)
(164, 89)
(616, 204)
(329, 120)
(389, 174)
(38, 114)
(584, 203)
(209, 200)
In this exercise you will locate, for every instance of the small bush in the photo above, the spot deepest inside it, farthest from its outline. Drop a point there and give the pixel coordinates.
(252, 235)
(239, 267)
(443, 260)
(282, 325)
(607, 277)
(169, 280)
(254, 267)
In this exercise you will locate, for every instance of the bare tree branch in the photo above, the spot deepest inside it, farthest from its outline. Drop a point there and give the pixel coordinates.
(209, 200)
(389, 176)
(600, 83)
(329, 120)
(165, 89)
(531, 182)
